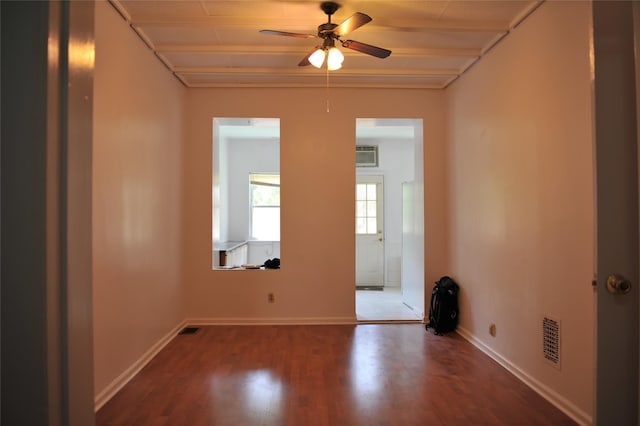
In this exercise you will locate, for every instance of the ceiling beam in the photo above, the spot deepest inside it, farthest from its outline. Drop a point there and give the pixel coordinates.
(298, 71)
(322, 84)
(219, 23)
(269, 49)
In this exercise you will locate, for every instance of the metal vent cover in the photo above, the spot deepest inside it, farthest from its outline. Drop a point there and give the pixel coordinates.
(366, 156)
(551, 340)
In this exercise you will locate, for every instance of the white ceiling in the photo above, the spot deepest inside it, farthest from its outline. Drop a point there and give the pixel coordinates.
(218, 44)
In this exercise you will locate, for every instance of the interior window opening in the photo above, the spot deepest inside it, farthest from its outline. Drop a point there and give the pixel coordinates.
(245, 193)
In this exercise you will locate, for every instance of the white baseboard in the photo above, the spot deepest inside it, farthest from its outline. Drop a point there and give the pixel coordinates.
(272, 321)
(106, 394)
(547, 393)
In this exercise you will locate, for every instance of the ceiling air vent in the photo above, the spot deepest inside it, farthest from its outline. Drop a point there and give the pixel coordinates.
(551, 341)
(366, 156)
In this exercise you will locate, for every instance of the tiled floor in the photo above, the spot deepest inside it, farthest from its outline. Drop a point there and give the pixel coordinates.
(385, 305)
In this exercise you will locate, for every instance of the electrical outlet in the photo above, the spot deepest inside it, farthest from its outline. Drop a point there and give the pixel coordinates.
(271, 298)
(492, 330)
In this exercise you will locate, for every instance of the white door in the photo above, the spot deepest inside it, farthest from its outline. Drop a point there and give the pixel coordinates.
(369, 231)
(617, 214)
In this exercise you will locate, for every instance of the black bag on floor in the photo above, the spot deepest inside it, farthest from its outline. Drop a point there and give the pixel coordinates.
(272, 263)
(443, 310)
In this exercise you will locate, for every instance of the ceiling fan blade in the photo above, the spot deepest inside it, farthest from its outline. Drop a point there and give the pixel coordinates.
(378, 52)
(350, 24)
(284, 33)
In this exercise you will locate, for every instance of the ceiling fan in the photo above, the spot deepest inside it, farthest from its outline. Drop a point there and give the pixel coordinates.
(329, 33)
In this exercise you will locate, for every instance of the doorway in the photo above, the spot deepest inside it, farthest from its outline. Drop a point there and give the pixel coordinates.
(389, 163)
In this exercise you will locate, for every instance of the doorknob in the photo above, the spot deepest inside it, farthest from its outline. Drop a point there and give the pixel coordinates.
(617, 284)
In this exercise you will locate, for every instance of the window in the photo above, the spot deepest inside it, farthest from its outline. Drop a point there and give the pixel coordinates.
(265, 206)
(366, 208)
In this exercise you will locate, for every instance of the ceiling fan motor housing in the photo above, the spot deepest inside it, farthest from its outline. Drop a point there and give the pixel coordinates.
(329, 7)
(326, 30)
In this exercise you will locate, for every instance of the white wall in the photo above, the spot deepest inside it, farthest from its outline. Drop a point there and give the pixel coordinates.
(521, 200)
(137, 204)
(316, 282)
(419, 208)
(245, 156)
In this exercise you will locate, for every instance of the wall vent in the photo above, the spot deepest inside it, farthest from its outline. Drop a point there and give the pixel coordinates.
(551, 341)
(366, 156)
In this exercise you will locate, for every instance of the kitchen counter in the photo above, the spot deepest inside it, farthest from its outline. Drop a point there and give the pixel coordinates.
(228, 245)
(230, 253)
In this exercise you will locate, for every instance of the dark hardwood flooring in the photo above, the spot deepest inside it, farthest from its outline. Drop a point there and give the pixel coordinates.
(374, 374)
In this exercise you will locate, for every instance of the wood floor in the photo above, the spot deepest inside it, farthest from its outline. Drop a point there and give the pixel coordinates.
(372, 374)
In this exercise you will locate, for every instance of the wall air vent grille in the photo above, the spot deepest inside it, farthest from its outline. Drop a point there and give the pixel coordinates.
(366, 156)
(551, 340)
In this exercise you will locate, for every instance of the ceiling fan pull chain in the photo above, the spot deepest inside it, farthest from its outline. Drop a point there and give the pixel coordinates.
(327, 89)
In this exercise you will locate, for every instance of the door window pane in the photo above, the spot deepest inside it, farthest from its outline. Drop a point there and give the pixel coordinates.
(366, 208)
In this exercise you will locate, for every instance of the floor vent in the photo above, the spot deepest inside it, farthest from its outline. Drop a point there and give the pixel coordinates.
(551, 341)
(189, 330)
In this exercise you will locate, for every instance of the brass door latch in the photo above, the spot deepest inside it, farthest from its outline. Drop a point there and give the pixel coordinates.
(617, 284)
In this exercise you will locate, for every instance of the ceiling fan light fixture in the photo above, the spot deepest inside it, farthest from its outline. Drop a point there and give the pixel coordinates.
(329, 33)
(317, 58)
(334, 59)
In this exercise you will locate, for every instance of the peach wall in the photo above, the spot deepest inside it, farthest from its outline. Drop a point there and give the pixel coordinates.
(137, 253)
(521, 201)
(316, 282)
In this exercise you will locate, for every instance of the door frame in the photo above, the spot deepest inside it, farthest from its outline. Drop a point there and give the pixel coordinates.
(47, 359)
